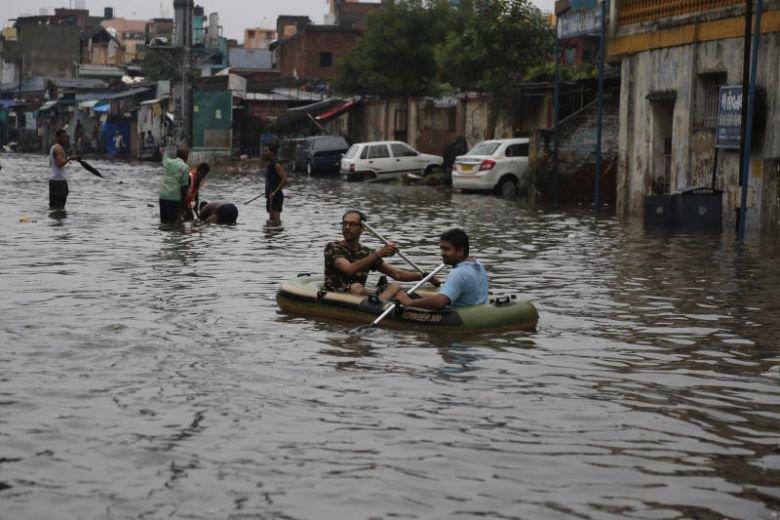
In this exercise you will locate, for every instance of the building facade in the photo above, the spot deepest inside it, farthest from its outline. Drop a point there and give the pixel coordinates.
(674, 59)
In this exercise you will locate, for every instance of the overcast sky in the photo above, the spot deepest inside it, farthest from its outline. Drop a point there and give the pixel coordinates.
(235, 15)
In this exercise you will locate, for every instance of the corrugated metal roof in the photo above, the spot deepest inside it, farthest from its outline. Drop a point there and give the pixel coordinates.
(265, 96)
(80, 83)
(100, 70)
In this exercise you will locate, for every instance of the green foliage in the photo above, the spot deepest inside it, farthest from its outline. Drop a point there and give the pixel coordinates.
(546, 72)
(159, 63)
(424, 47)
(497, 43)
(396, 55)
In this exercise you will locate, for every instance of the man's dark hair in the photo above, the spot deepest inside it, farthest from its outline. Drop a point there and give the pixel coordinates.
(272, 146)
(60, 132)
(204, 168)
(362, 215)
(458, 238)
(227, 214)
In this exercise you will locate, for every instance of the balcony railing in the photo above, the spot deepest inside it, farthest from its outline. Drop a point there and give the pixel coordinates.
(637, 11)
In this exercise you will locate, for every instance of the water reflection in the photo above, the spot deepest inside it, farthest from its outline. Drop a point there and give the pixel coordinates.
(150, 373)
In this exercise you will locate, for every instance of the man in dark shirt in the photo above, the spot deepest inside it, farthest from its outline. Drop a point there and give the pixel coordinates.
(347, 262)
(275, 179)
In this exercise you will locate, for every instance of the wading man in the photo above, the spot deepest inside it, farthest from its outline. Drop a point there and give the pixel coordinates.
(275, 179)
(58, 183)
(173, 191)
(467, 284)
(347, 262)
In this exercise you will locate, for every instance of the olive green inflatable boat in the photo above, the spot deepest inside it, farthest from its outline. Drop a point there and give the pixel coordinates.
(304, 295)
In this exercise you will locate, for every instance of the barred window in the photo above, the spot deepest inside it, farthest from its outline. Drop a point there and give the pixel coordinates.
(708, 98)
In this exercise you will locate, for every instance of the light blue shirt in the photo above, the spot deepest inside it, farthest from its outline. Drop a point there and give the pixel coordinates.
(467, 284)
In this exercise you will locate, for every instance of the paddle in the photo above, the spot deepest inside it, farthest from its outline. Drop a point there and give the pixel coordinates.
(91, 169)
(386, 242)
(252, 200)
(390, 309)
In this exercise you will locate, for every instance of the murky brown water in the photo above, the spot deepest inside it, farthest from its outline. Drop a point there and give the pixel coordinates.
(149, 374)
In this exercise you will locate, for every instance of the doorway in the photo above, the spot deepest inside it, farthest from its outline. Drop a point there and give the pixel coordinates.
(661, 143)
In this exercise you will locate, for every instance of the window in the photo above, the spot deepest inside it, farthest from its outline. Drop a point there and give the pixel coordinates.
(329, 143)
(484, 148)
(326, 59)
(250, 35)
(452, 119)
(378, 151)
(400, 123)
(708, 99)
(352, 151)
(517, 150)
(364, 153)
(402, 150)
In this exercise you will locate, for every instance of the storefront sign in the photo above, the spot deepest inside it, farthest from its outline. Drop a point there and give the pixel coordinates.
(727, 133)
(577, 23)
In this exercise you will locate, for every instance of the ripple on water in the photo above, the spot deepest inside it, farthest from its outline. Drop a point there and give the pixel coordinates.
(149, 373)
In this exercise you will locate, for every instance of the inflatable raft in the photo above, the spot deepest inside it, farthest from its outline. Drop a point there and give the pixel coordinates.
(304, 295)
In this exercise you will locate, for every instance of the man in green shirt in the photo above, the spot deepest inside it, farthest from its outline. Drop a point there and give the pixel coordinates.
(174, 186)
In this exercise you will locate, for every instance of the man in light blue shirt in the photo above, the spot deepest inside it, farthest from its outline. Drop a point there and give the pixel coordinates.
(467, 284)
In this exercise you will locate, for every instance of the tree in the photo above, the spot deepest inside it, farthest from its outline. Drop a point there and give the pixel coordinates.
(396, 55)
(160, 63)
(492, 48)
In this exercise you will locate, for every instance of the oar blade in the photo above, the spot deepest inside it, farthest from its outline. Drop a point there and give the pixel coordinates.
(91, 169)
(359, 330)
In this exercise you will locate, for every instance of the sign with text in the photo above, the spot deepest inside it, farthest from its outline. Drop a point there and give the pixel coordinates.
(727, 132)
(577, 23)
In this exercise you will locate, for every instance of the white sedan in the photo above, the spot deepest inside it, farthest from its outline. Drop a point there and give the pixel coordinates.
(378, 161)
(498, 165)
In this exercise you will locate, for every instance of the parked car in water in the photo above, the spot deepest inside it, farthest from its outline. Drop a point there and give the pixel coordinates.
(497, 165)
(378, 161)
(320, 154)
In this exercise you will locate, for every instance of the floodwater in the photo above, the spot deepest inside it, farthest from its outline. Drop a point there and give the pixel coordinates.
(149, 374)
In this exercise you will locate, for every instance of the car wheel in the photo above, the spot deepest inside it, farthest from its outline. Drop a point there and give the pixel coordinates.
(430, 169)
(507, 187)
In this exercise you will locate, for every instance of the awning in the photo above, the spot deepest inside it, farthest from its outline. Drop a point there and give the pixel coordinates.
(48, 105)
(150, 101)
(9, 103)
(102, 108)
(88, 104)
(336, 111)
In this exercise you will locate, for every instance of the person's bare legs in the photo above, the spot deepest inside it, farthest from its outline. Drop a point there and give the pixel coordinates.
(390, 291)
(274, 218)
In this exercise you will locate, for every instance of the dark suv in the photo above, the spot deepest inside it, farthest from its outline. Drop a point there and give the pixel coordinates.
(320, 154)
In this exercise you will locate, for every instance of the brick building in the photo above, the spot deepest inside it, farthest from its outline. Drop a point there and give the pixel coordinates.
(314, 50)
(304, 50)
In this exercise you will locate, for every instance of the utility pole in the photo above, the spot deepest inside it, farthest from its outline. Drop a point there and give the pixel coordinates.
(556, 111)
(599, 125)
(748, 106)
(183, 11)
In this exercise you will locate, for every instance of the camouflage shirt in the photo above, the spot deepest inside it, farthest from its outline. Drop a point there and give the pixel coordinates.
(335, 280)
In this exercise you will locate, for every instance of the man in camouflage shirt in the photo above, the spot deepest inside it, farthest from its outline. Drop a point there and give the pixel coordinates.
(347, 263)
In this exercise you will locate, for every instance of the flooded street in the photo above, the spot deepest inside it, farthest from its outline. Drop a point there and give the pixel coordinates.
(150, 374)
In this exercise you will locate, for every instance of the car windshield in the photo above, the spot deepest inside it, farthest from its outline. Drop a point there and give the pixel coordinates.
(484, 148)
(329, 143)
(352, 151)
